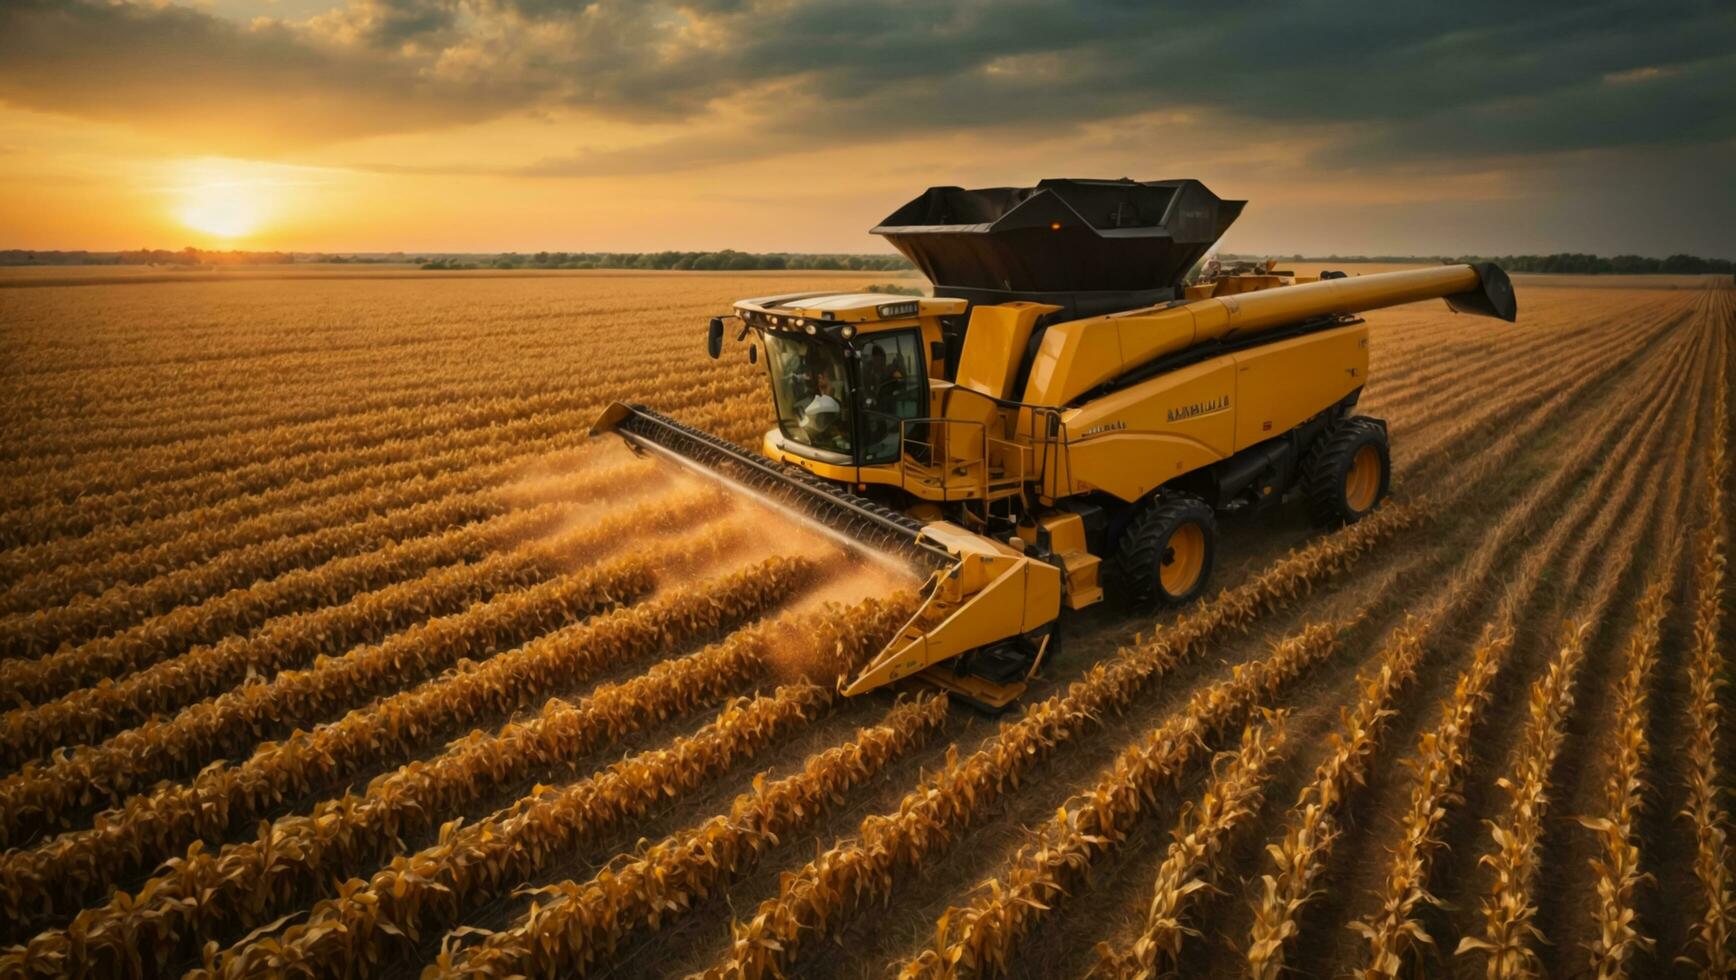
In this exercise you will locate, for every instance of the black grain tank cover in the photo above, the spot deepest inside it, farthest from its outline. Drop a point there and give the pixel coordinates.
(1090, 246)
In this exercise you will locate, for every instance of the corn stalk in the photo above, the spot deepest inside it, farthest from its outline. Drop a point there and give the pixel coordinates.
(1300, 853)
(1618, 866)
(981, 939)
(1509, 908)
(354, 933)
(581, 923)
(242, 884)
(1230, 799)
(1715, 931)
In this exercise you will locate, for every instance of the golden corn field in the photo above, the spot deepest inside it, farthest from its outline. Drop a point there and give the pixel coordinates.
(333, 646)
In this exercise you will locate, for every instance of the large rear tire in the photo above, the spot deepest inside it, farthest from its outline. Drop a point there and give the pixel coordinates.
(1165, 556)
(1349, 472)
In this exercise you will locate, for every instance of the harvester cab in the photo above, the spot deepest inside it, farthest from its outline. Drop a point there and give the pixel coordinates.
(1066, 417)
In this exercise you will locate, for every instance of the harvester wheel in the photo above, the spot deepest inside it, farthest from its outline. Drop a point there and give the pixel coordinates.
(1165, 556)
(1349, 472)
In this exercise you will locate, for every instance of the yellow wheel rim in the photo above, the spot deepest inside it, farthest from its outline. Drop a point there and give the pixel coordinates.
(1183, 559)
(1362, 483)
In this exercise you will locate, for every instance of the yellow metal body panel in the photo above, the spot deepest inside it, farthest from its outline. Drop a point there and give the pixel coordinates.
(993, 592)
(1080, 568)
(1132, 441)
(1281, 385)
(995, 344)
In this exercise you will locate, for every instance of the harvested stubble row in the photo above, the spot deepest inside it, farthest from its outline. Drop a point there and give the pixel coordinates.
(61, 875)
(1514, 862)
(300, 858)
(1230, 799)
(980, 939)
(1440, 764)
(816, 900)
(110, 771)
(1715, 931)
(1300, 853)
(582, 923)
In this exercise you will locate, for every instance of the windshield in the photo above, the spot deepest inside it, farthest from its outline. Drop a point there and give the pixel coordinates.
(812, 390)
(818, 406)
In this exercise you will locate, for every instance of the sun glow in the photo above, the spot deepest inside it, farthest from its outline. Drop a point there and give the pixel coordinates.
(229, 199)
(224, 210)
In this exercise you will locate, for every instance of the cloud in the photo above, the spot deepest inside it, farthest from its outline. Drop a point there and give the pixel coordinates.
(1404, 82)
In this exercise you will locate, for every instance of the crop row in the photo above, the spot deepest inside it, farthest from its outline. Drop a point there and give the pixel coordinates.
(1715, 932)
(65, 872)
(166, 465)
(1190, 866)
(1439, 766)
(196, 735)
(1513, 864)
(354, 933)
(1443, 753)
(95, 574)
(28, 682)
(300, 857)
(46, 520)
(35, 633)
(205, 527)
(981, 939)
(1618, 866)
(581, 923)
(1299, 855)
(814, 901)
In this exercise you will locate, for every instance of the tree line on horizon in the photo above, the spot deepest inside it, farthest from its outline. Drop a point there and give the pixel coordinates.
(730, 260)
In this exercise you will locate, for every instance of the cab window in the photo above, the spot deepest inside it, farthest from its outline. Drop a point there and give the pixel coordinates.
(893, 388)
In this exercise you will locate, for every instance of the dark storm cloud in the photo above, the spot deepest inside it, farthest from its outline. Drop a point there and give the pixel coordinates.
(1434, 80)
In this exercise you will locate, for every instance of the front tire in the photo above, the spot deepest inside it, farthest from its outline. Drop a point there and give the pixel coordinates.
(1166, 555)
(1349, 472)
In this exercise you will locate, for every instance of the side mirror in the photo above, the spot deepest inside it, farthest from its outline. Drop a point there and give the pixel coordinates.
(714, 338)
(753, 355)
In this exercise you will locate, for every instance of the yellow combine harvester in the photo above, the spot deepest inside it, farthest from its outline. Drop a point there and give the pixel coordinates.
(1065, 415)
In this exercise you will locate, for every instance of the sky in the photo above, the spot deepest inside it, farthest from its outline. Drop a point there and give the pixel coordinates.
(1352, 127)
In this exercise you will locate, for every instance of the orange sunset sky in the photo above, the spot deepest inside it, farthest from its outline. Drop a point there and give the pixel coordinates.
(773, 125)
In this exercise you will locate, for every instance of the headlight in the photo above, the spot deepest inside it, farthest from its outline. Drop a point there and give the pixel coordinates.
(813, 329)
(847, 332)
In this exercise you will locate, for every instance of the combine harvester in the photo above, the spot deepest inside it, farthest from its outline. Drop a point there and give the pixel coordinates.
(1066, 414)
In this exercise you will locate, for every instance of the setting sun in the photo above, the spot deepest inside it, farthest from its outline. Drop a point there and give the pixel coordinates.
(224, 210)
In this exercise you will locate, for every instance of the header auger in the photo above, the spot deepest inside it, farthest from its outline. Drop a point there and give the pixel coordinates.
(1066, 416)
